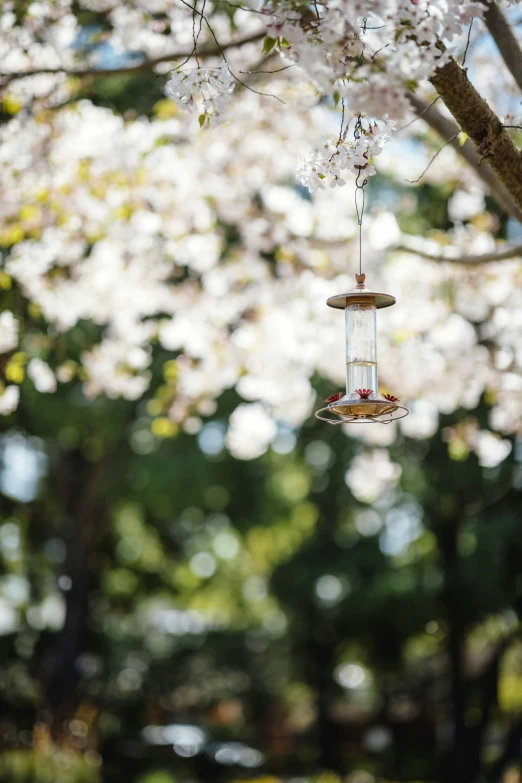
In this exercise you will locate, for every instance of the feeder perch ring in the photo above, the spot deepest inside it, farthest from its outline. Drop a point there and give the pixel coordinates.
(362, 412)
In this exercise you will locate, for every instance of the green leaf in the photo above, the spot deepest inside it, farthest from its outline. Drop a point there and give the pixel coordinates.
(268, 44)
(201, 119)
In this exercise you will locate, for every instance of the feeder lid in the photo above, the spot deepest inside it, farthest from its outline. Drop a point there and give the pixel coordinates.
(360, 293)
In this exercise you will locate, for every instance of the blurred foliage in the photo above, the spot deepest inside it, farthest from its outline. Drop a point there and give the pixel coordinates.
(52, 766)
(154, 581)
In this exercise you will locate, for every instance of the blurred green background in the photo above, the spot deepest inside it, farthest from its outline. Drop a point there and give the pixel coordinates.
(344, 637)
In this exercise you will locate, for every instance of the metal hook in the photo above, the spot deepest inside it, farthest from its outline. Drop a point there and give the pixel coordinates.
(357, 128)
(364, 182)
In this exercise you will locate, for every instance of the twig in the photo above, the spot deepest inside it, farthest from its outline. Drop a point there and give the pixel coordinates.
(342, 123)
(421, 114)
(284, 68)
(382, 47)
(194, 36)
(467, 43)
(414, 181)
(244, 8)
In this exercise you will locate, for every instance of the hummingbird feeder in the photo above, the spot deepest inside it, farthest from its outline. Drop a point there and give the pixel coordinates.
(362, 401)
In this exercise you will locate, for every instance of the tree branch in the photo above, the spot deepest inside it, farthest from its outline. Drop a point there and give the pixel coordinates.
(482, 125)
(504, 38)
(447, 128)
(421, 248)
(146, 65)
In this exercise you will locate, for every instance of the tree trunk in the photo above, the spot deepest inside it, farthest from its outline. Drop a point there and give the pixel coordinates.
(61, 672)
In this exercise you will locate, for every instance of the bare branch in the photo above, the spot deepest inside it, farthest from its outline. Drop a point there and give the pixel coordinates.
(286, 67)
(453, 256)
(447, 128)
(419, 114)
(449, 141)
(504, 38)
(244, 8)
(146, 65)
(467, 44)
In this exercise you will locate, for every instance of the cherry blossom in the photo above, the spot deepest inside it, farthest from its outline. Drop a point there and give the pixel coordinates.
(9, 399)
(371, 473)
(8, 331)
(42, 376)
(251, 430)
(329, 160)
(213, 87)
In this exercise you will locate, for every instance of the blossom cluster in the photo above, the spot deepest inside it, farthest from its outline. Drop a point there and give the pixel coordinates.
(204, 90)
(330, 158)
(369, 51)
(371, 54)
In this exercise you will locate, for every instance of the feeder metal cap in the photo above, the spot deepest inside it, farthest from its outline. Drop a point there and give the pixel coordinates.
(360, 293)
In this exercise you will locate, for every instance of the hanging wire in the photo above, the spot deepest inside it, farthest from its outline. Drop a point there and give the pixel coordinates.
(360, 194)
(360, 198)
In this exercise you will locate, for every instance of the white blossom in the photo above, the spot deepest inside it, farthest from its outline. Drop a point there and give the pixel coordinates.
(250, 432)
(42, 376)
(9, 400)
(422, 421)
(491, 450)
(331, 158)
(371, 473)
(204, 90)
(8, 331)
(117, 368)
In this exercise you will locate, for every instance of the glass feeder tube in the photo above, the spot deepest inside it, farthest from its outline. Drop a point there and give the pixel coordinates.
(361, 345)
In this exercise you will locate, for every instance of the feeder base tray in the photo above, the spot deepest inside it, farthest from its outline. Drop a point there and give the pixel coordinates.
(347, 411)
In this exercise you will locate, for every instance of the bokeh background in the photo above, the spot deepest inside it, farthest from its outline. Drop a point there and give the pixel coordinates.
(199, 581)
